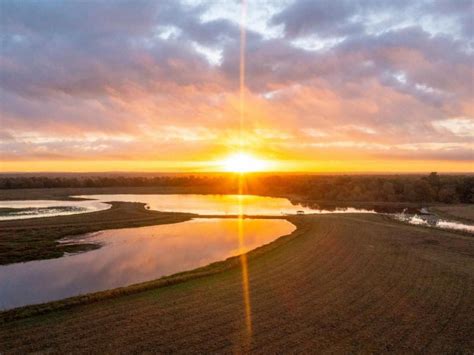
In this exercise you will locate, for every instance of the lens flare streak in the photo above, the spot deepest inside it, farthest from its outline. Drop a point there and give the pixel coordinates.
(244, 265)
(241, 232)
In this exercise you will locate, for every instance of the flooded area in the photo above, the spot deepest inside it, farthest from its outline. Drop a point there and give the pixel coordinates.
(250, 205)
(47, 208)
(134, 255)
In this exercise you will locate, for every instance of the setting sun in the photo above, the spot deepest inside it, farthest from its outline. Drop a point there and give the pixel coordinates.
(244, 163)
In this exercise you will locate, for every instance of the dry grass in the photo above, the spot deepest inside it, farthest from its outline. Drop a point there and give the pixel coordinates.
(338, 284)
(463, 213)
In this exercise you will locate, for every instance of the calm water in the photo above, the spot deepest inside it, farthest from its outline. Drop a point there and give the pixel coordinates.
(133, 255)
(47, 208)
(250, 205)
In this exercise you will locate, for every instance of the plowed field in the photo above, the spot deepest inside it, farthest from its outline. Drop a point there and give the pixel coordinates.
(340, 283)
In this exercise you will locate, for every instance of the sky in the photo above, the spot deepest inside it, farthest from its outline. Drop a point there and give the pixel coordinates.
(330, 86)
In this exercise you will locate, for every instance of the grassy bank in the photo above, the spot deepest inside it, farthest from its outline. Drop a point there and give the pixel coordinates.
(337, 284)
(37, 238)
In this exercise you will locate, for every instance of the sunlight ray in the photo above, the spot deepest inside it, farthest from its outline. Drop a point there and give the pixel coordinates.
(241, 168)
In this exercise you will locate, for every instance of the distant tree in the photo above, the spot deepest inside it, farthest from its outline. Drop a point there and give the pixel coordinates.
(409, 192)
(432, 187)
(424, 191)
(433, 178)
(388, 191)
(447, 194)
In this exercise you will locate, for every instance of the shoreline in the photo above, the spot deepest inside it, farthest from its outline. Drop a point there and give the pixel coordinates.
(41, 235)
(207, 270)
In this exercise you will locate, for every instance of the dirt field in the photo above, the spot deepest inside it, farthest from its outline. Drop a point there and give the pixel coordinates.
(338, 284)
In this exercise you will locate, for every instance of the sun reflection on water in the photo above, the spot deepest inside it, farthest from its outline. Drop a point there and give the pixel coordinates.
(244, 262)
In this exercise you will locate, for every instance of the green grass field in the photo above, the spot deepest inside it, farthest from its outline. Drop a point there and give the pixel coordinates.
(352, 283)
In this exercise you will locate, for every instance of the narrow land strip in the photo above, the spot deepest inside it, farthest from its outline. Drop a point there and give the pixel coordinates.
(37, 238)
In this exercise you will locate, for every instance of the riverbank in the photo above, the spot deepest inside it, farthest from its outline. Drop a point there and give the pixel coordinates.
(339, 283)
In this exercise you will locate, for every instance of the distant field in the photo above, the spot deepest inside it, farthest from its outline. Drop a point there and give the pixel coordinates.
(461, 212)
(64, 192)
(337, 284)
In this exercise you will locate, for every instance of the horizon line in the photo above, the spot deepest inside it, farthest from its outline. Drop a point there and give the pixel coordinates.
(237, 173)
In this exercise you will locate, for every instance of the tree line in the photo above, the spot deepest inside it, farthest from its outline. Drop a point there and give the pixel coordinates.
(400, 188)
(344, 188)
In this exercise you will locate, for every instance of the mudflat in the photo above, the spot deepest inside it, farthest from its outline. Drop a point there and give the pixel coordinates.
(339, 283)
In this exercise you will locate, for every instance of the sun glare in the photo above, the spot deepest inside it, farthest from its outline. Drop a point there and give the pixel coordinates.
(244, 163)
